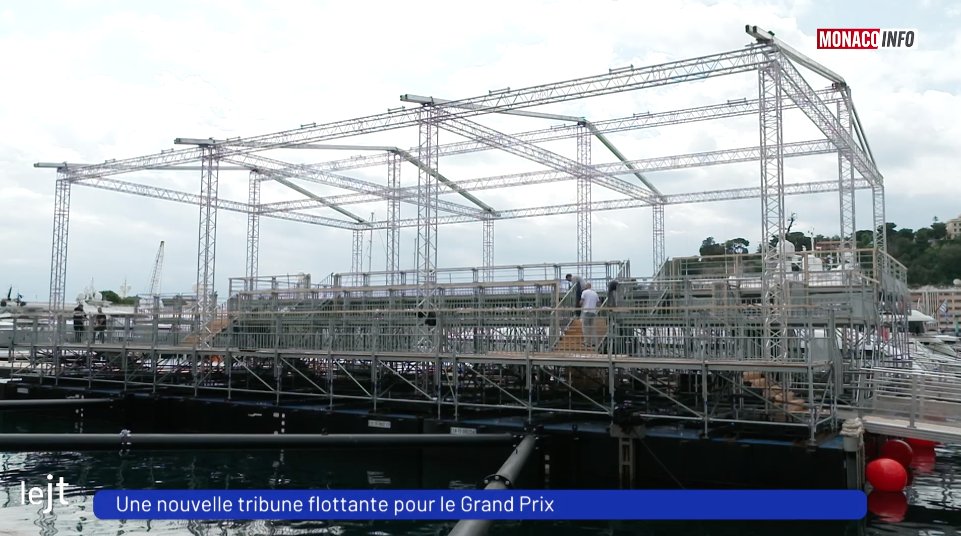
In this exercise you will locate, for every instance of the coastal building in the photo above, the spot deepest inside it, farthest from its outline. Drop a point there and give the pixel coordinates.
(953, 227)
(941, 303)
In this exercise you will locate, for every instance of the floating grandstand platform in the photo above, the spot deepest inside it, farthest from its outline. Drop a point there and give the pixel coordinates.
(686, 345)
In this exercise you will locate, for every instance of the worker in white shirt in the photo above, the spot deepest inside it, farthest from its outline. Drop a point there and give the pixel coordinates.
(589, 301)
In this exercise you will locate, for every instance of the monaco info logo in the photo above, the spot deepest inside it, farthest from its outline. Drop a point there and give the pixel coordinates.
(864, 38)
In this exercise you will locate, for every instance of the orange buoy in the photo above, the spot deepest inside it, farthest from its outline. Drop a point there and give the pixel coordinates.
(889, 506)
(924, 458)
(886, 474)
(898, 451)
(920, 442)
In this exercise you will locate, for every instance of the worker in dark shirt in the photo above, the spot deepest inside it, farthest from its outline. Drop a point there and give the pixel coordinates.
(78, 320)
(100, 324)
(578, 283)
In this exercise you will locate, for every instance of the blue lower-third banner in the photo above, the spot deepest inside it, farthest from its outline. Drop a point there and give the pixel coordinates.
(481, 504)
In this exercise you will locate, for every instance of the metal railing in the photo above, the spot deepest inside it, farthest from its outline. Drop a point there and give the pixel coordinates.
(917, 396)
(598, 272)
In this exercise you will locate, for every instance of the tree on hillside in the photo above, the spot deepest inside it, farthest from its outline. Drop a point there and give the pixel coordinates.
(113, 297)
(736, 246)
(929, 255)
(710, 247)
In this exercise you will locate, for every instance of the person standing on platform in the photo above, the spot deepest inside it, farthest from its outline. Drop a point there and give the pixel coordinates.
(78, 320)
(100, 324)
(612, 293)
(589, 300)
(578, 283)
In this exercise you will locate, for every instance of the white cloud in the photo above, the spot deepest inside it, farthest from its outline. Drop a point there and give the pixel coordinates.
(110, 80)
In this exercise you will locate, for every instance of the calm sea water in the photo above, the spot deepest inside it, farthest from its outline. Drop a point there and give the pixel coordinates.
(933, 499)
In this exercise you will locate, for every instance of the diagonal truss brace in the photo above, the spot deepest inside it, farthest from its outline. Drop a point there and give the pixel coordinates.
(272, 168)
(444, 180)
(320, 199)
(510, 144)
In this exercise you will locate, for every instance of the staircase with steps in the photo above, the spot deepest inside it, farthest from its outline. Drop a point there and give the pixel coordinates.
(573, 338)
(216, 325)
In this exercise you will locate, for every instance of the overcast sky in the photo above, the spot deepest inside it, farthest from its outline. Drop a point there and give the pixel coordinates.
(93, 80)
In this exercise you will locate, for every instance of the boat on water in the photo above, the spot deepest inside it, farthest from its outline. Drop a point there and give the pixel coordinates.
(18, 315)
(15, 311)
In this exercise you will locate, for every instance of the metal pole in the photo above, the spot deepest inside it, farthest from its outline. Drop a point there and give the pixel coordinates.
(503, 479)
(127, 440)
(52, 403)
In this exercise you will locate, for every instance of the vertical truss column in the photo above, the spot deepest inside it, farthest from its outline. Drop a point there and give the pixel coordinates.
(659, 253)
(370, 245)
(773, 275)
(58, 253)
(393, 215)
(846, 185)
(253, 228)
(427, 337)
(207, 236)
(488, 259)
(880, 230)
(357, 255)
(427, 207)
(584, 200)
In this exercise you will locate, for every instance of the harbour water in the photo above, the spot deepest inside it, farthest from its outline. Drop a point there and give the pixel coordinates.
(934, 497)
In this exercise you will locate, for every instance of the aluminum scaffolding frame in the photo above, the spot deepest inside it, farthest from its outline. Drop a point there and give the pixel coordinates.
(501, 330)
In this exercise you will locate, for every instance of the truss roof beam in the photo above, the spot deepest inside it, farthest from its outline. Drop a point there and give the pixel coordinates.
(736, 61)
(797, 88)
(733, 108)
(766, 37)
(64, 166)
(419, 99)
(194, 199)
(726, 156)
(669, 199)
(329, 147)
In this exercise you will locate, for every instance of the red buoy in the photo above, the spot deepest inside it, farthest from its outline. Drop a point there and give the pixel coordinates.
(923, 461)
(921, 442)
(889, 506)
(886, 474)
(898, 451)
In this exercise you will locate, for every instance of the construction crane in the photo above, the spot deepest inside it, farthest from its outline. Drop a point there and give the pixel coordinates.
(158, 266)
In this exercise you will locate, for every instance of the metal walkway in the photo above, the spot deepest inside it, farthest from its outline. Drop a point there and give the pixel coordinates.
(913, 402)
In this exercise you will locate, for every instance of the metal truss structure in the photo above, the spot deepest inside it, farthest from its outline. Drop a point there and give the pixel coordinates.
(415, 317)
